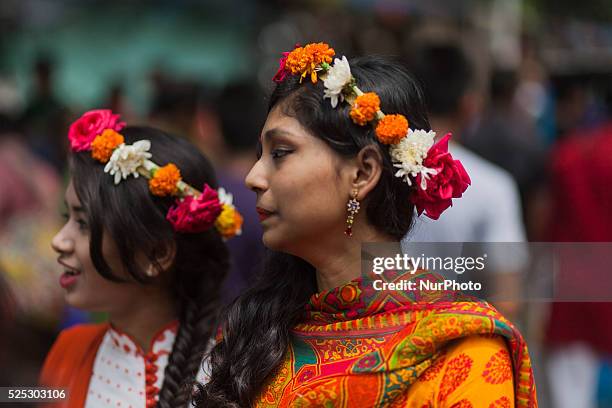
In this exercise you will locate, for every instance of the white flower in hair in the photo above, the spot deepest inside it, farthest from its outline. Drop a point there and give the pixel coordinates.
(409, 153)
(127, 159)
(337, 77)
(224, 196)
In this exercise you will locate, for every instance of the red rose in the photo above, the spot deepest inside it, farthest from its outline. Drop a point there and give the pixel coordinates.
(195, 214)
(282, 71)
(85, 129)
(450, 181)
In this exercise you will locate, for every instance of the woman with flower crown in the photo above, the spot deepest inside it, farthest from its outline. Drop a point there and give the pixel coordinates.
(346, 155)
(143, 242)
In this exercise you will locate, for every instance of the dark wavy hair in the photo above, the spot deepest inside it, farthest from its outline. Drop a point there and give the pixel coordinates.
(256, 329)
(136, 221)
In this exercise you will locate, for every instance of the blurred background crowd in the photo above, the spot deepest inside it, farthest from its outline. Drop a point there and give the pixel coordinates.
(525, 86)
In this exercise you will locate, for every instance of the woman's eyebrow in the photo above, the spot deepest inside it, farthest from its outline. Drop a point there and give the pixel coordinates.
(74, 208)
(275, 133)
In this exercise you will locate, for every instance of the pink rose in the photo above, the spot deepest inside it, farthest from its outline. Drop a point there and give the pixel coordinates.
(191, 214)
(85, 129)
(450, 181)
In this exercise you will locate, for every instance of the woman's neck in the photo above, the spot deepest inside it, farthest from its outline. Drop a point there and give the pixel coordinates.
(339, 264)
(145, 316)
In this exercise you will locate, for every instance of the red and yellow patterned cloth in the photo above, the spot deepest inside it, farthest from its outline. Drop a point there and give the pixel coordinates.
(358, 347)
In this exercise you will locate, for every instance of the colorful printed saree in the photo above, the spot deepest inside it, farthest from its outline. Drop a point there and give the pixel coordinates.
(359, 347)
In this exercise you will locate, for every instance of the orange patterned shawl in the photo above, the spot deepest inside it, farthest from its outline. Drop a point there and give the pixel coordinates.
(358, 347)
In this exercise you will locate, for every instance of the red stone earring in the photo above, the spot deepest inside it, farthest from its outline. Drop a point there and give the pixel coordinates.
(353, 208)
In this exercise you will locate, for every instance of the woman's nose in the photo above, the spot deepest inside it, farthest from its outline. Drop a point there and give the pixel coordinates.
(256, 179)
(61, 243)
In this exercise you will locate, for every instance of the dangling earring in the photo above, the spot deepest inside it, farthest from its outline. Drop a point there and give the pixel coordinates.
(151, 272)
(353, 208)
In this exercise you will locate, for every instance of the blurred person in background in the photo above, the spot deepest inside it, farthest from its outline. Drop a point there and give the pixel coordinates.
(490, 210)
(186, 107)
(29, 199)
(117, 101)
(149, 252)
(579, 334)
(28, 184)
(45, 117)
(508, 137)
(241, 112)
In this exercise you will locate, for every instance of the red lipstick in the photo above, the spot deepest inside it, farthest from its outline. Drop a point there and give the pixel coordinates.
(263, 214)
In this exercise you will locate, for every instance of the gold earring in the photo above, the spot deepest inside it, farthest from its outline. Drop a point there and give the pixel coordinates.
(353, 208)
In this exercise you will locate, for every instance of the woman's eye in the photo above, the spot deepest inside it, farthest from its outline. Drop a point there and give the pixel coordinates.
(278, 153)
(82, 225)
(65, 216)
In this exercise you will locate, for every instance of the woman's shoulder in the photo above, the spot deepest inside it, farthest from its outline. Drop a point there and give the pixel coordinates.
(84, 330)
(78, 337)
(74, 347)
(81, 332)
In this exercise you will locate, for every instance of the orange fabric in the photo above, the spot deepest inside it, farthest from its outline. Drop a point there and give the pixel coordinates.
(476, 372)
(70, 362)
(361, 347)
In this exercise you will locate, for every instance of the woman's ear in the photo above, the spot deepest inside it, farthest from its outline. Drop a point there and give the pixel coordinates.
(160, 261)
(367, 170)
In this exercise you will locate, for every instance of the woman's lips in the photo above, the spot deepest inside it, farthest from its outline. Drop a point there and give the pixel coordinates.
(263, 214)
(70, 275)
(69, 278)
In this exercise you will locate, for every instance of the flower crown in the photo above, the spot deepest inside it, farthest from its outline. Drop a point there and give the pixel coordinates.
(194, 211)
(419, 160)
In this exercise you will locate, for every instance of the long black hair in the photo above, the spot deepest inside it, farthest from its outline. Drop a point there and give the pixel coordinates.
(135, 220)
(256, 330)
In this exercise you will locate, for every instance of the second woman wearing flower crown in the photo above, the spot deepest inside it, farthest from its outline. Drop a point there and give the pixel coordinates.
(312, 332)
(141, 244)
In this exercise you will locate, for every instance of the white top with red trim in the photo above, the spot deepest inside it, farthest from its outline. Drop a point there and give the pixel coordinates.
(126, 376)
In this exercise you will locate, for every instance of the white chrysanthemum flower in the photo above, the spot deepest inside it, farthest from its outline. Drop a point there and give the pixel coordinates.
(225, 197)
(409, 153)
(127, 159)
(337, 77)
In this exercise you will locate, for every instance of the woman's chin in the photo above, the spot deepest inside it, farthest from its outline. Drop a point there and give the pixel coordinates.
(79, 301)
(275, 239)
(270, 240)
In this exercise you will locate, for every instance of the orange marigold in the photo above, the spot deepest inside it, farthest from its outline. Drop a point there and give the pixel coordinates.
(365, 108)
(103, 145)
(391, 129)
(305, 60)
(165, 180)
(229, 222)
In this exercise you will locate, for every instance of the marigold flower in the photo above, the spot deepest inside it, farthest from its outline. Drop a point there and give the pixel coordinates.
(391, 129)
(365, 108)
(103, 145)
(229, 222)
(306, 60)
(165, 180)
